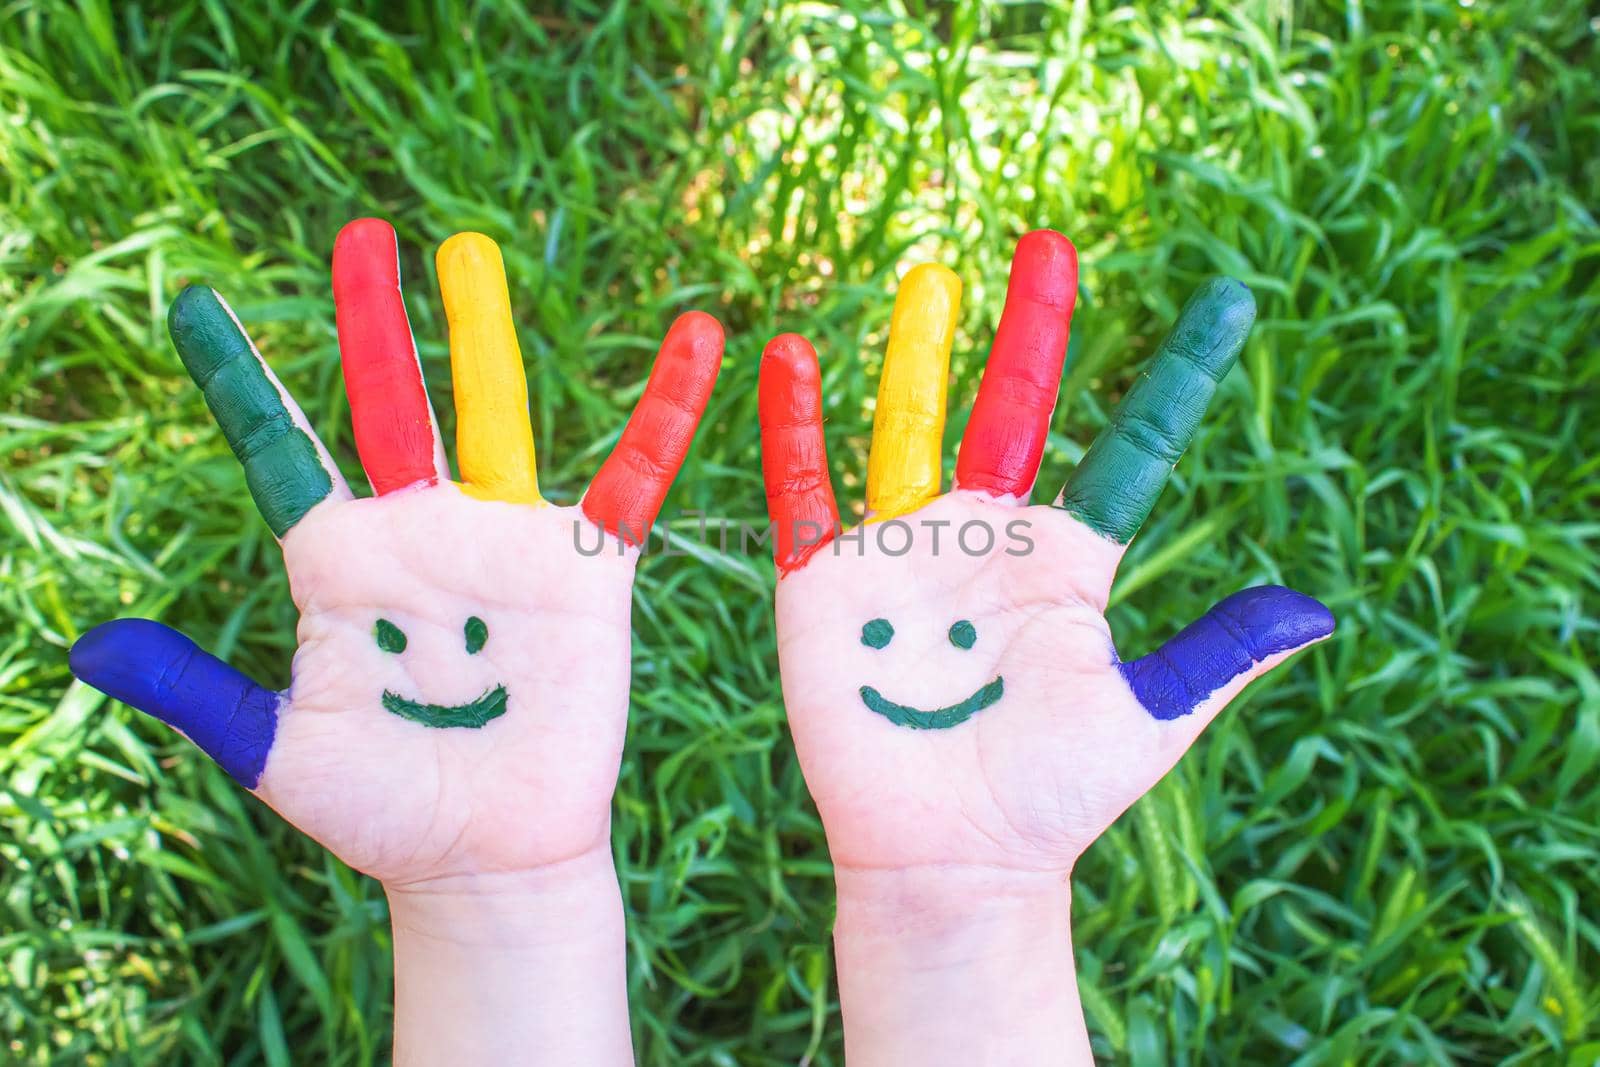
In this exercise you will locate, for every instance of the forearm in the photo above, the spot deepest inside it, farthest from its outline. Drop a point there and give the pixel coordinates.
(957, 965)
(524, 968)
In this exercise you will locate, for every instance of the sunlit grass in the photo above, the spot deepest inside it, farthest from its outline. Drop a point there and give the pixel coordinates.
(1388, 854)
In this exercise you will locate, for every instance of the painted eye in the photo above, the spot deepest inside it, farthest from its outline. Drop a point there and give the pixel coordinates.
(963, 634)
(877, 633)
(390, 637)
(477, 633)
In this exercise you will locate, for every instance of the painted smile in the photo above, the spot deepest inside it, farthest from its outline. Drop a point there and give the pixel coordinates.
(963, 635)
(472, 714)
(939, 719)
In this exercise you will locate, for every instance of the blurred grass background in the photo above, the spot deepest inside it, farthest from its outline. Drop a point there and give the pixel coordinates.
(1387, 854)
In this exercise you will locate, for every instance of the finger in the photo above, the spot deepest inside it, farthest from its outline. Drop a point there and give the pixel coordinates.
(165, 675)
(626, 494)
(794, 453)
(286, 468)
(394, 426)
(1122, 474)
(1194, 675)
(903, 466)
(1004, 441)
(494, 439)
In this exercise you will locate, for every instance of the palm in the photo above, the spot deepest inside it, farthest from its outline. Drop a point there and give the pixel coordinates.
(956, 699)
(404, 803)
(1030, 780)
(459, 694)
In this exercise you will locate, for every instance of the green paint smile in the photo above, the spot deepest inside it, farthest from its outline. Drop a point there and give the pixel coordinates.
(940, 719)
(471, 715)
(963, 635)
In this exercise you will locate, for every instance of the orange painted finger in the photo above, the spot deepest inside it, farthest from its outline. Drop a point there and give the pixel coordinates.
(794, 454)
(1004, 440)
(626, 495)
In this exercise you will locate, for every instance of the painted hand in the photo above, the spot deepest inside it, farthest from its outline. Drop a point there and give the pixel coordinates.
(950, 678)
(461, 687)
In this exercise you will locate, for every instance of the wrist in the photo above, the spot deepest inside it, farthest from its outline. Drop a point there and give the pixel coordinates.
(934, 899)
(503, 910)
(957, 964)
(498, 968)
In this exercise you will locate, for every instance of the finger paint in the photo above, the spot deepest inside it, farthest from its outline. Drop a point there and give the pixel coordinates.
(1227, 641)
(394, 428)
(473, 715)
(794, 452)
(939, 719)
(903, 464)
(477, 634)
(282, 466)
(494, 437)
(162, 673)
(1122, 474)
(877, 633)
(963, 634)
(1004, 440)
(628, 490)
(390, 637)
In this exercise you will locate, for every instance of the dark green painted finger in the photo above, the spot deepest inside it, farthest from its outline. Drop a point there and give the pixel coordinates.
(1122, 474)
(283, 466)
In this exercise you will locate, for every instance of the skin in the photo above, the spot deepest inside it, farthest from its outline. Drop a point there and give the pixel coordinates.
(953, 844)
(1024, 785)
(476, 785)
(408, 804)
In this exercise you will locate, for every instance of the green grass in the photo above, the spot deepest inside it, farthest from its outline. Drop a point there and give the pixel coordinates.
(1388, 854)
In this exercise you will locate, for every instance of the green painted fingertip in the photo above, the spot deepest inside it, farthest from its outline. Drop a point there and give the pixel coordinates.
(877, 633)
(1121, 475)
(963, 634)
(1212, 327)
(183, 309)
(282, 466)
(390, 637)
(477, 634)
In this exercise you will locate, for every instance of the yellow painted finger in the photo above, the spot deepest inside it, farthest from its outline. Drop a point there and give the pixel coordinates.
(903, 468)
(494, 439)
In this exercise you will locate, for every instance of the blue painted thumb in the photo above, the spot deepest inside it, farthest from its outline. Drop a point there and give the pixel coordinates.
(162, 673)
(1230, 640)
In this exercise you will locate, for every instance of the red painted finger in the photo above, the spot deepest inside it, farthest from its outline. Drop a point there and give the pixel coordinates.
(794, 454)
(627, 493)
(1001, 449)
(395, 435)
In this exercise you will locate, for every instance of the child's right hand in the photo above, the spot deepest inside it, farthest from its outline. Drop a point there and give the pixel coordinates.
(461, 687)
(455, 719)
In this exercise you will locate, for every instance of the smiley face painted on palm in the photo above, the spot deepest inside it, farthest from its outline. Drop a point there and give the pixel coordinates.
(878, 633)
(473, 714)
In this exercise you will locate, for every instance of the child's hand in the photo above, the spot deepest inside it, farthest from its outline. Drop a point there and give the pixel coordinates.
(460, 692)
(963, 720)
(455, 720)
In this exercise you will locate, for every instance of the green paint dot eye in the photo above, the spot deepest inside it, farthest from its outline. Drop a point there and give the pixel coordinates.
(963, 634)
(389, 636)
(876, 633)
(477, 634)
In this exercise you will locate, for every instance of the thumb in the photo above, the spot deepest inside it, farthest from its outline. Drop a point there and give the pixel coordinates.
(162, 673)
(1192, 677)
